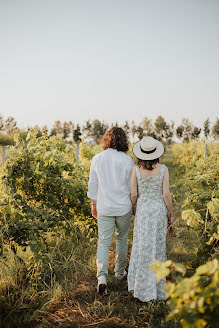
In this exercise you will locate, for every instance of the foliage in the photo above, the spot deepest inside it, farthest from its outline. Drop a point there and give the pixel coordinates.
(199, 179)
(215, 129)
(206, 128)
(24, 297)
(43, 192)
(179, 131)
(56, 129)
(6, 140)
(195, 300)
(63, 129)
(126, 128)
(187, 131)
(77, 134)
(163, 131)
(10, 125)
(147, 126)
(87, 129)
(95, 129)
(99, 128)
(140, 132)
(160, 129)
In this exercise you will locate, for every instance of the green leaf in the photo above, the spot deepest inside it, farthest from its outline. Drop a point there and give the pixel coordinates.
(180, 268)
(161, 268)
(213, 207)
(192, 218)
(208, 268)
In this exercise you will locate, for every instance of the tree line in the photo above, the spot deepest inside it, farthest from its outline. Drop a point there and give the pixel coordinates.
(94, 130)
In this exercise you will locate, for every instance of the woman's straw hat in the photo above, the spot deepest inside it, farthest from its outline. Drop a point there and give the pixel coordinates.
(148, 148)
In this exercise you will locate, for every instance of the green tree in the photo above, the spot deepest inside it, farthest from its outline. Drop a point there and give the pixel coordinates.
(99, 128)
(37, 130)
(77, 134)
(187, 129)
(179, 131)
(163, 130)
(169, 132)
(66, 130)
(126, 128)
(10, 124)
(87, 129)
(206, 128)
(71, 127)
(215, 129)
(1, 123)
(196, 132)
(147, 127)
(56, 129)
(45, 130)
(133, 129)
(160, 127)
(140, 132)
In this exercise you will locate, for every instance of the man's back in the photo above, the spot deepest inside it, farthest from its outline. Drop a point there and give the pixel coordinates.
(109, 183)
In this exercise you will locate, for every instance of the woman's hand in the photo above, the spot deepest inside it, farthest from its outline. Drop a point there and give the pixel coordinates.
(170, 224)
(170, 220)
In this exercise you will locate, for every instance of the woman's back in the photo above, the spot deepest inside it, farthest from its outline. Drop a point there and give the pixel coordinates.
(150, 181)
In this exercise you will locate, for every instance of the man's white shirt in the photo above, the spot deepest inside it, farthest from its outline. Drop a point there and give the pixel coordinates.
(110, 182)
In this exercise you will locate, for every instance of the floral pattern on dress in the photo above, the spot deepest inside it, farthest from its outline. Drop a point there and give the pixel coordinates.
(149, 238)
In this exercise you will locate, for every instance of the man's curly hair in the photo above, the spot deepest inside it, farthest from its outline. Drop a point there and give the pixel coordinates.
(115, 138)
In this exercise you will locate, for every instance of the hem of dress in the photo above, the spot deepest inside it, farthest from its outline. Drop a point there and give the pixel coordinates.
(149, 299)
(132, 290)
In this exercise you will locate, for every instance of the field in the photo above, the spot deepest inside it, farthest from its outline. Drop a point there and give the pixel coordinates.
(48, 269)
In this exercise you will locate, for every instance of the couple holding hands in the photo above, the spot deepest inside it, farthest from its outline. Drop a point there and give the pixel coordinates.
(117, 189)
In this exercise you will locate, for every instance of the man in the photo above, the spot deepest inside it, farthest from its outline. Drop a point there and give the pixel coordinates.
(109, 189)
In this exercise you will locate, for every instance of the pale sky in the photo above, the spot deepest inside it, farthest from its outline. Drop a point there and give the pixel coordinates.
(114, 60)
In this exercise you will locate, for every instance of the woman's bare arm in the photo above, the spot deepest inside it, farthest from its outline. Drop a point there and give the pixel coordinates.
(167, 196)
(134, 188)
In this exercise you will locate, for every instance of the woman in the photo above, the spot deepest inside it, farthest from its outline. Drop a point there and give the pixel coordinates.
(109, 189)
(150, 192)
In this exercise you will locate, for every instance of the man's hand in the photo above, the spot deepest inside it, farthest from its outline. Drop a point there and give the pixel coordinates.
(94, 209)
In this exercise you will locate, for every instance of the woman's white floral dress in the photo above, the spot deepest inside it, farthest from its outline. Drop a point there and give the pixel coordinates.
(149, 238)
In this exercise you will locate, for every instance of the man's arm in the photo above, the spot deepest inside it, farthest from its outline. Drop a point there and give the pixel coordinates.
(92, 189)
(134, 189)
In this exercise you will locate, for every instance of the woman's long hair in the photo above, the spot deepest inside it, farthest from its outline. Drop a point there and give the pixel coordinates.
(148, 164)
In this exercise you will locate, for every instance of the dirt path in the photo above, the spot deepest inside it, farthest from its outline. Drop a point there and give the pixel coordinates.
(84, 308)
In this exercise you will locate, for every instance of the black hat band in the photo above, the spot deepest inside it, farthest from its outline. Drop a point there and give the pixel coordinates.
(149, 151)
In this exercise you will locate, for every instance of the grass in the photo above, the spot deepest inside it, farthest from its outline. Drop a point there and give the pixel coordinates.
(64, 293)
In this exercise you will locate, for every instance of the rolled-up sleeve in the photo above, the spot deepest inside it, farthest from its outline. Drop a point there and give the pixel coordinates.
(93, 182)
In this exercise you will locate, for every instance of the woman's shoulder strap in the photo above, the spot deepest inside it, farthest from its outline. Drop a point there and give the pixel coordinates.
(138, 175)
(162, 171)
